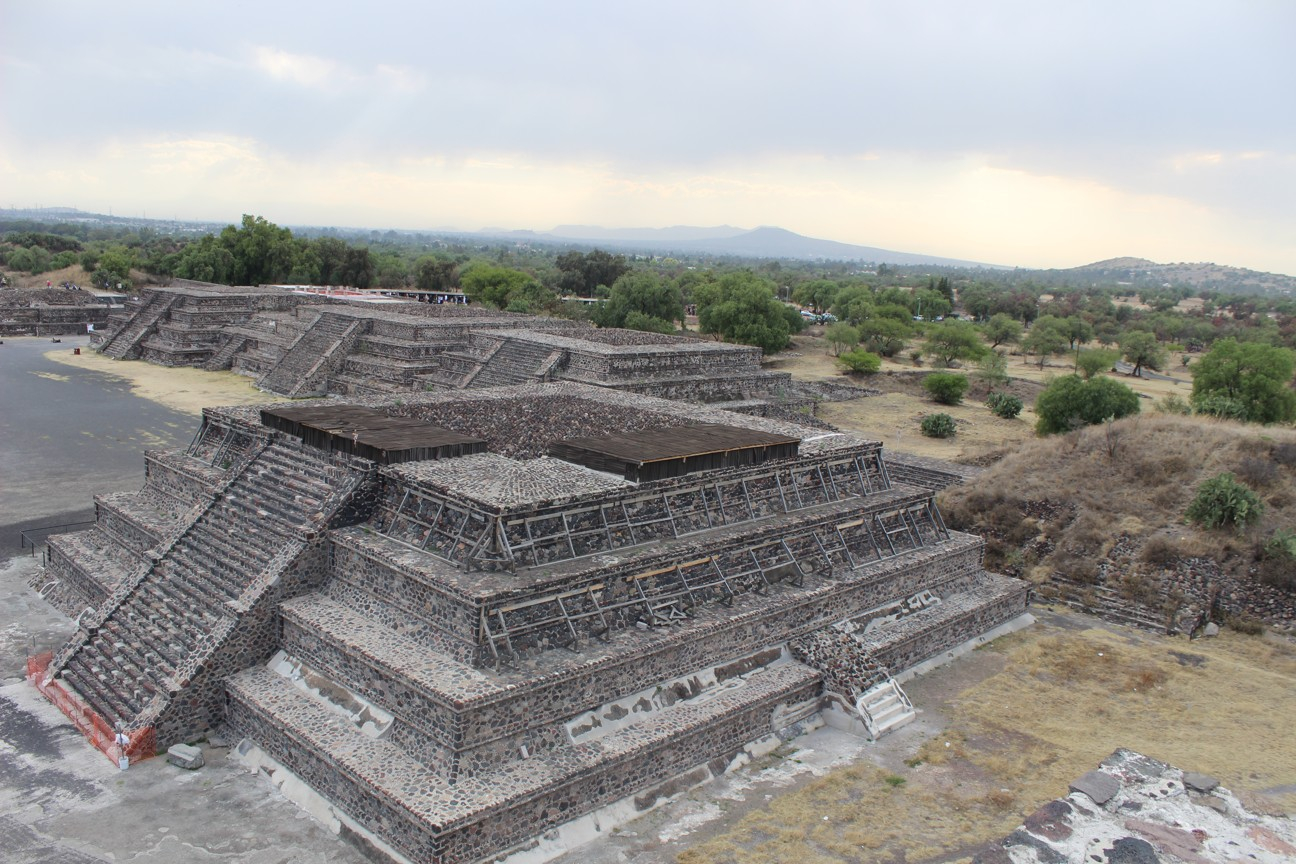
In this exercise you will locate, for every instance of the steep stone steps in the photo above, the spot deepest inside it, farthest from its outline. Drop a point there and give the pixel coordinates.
(177, 615)
(294, 374)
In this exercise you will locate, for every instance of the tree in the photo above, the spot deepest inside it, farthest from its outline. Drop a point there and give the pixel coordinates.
(1069, 402)
(954, 340)
(992, 370)
(637, 320)
(862, 362)
(885, 336)
(436, 273)
(331, 252)
(841, 336)
(263, 252)
(646, 293)
(1077, 330)
(1094, 360)
(1002, 330)
(946, 387)
(818, 294)
(584, 273)
(493, 285)
(741, 307)
(357, 268)
(854, 303)
(1257, 378)
(929, 303)
(1142, 349)
(114, 268)
(1044, 339)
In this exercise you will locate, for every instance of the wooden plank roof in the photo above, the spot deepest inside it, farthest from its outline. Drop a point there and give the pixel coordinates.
(370, 433)
(679, 442)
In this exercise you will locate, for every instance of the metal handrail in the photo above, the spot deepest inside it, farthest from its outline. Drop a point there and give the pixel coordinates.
(26, 541)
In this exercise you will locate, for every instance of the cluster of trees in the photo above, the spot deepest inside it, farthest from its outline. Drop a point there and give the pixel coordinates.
(880, 312)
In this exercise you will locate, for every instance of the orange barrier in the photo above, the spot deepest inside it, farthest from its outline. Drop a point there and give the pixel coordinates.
(140, 743)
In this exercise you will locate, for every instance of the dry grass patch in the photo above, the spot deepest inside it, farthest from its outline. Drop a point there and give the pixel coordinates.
(1063, 701)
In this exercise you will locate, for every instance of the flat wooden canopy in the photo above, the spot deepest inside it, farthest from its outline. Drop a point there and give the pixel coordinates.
(370, 433)
(674, 450)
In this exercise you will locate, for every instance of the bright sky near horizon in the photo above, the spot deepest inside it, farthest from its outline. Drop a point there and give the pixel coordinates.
(1021, 133)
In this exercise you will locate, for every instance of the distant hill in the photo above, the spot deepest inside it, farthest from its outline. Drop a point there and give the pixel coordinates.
(673, 234)
(1140, 272)
(763, 242)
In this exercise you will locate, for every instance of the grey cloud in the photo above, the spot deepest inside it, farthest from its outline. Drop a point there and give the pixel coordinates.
(1103, 90)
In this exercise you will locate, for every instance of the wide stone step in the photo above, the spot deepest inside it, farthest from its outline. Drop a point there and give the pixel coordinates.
(429, 819)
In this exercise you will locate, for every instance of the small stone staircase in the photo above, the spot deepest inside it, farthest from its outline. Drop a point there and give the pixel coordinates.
(224, 355)
(127, 340)
(515, 362)
(302, 370)
(884, 708)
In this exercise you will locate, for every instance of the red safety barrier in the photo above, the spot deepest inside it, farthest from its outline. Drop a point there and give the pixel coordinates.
(140, 743)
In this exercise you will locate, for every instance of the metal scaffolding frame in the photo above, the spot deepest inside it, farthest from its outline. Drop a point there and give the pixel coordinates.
(563, 533)
(665, 595)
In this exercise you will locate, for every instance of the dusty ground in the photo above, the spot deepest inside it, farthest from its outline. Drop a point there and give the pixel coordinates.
(894, 417)
(63, 802)
(185, 389)
(1000, 731)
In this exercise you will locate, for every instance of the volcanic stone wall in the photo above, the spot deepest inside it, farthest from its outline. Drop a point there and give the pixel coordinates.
(471, 830)
(717, 632)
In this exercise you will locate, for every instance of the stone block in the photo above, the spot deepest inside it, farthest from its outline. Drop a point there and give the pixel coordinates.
(1099, 786)
(1199, 782)
(185, 756)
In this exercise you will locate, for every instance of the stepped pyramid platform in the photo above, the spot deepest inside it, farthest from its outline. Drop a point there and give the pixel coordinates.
(301, 344)
(548, 599)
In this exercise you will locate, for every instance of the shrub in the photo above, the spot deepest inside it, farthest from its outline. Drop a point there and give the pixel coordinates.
(860, 361)
(1252, 375)
(1173, 403)
(938, 426)
(1222, 501)
(916, 357)
(1216, 405)
(1004, 405)
(946, 388)
(1258, 472)
(1069, 403)
(1278, 560)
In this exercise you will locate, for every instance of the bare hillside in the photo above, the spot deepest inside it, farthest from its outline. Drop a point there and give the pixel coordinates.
(1102, 510)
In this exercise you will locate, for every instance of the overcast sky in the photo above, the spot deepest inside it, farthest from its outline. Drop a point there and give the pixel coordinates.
(1026, 133)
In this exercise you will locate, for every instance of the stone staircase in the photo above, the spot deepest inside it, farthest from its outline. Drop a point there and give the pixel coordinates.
(224, 355)
(162, 632)
(126, 341)
(515, 362)
(322, 348)
(1105, 602)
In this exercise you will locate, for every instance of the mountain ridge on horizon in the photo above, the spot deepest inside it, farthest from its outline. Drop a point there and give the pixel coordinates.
(761, 242)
